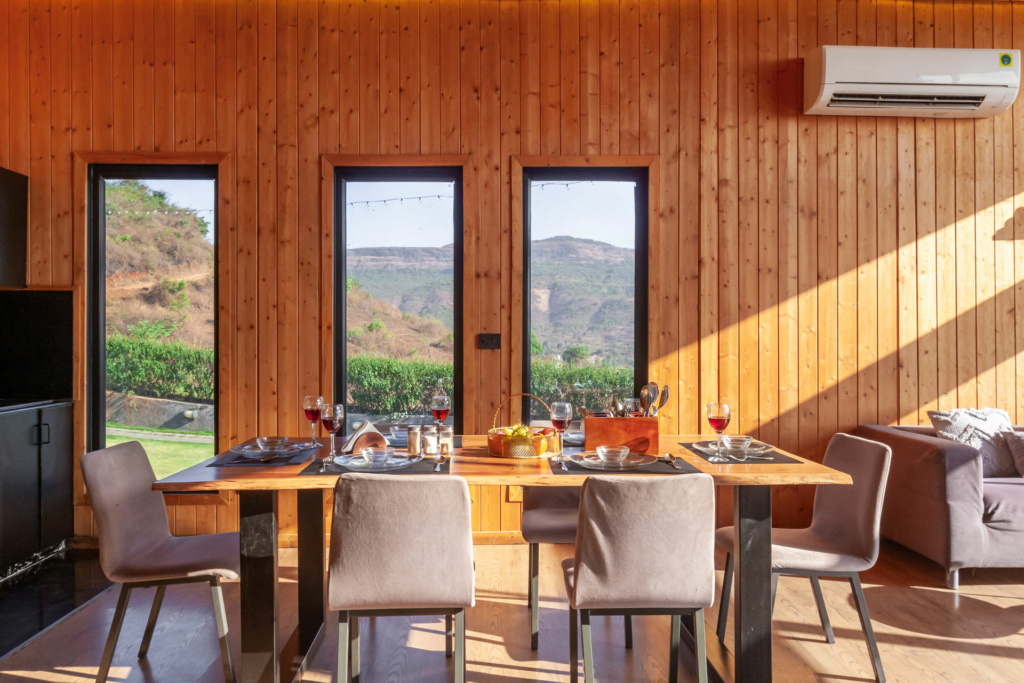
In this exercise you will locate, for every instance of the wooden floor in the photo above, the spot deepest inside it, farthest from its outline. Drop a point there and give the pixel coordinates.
(925, 632)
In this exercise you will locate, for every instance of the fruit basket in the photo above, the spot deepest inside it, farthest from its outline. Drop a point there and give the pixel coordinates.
(520, 441)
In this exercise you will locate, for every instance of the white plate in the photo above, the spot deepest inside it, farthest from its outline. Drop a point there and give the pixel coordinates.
(754, 448)
(396, 462)
(592, 461)
(253, 451)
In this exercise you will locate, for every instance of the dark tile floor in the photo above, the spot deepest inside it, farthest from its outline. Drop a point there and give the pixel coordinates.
(31, 602)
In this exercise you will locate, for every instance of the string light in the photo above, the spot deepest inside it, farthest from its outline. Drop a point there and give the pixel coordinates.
(420, 198)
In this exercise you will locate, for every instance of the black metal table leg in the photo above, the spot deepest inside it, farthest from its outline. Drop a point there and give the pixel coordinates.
(753, 520)
(312, 546)
(257, 517)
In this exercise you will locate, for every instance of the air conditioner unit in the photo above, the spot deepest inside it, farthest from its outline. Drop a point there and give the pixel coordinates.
(850, 80)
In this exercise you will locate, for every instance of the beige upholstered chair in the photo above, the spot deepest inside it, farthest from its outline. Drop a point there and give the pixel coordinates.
(400, 546)
(842, 540)
(644, 546)
(138, 551)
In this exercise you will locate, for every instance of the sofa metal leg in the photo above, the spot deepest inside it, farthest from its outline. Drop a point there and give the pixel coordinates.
(953, 579)
(865, 623)
(158, 600)
(826, 626)
(723, 604)
(574, 647)
(534, 594)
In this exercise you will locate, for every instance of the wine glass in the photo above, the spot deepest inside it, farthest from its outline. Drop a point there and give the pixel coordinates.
(561, 416)
(440, 406)
(311, 405)
(718, 417)
(332, 415)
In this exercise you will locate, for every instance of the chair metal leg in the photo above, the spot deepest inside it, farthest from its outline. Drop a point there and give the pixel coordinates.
(723, 604)
(342, 647)
(353, 639)
(865, 623)
(588, 647)
(460, 646)
(628, 620)
(826, 626)
(673, 649)
(449, 635)
(574, 647)
(775, 588)
(158, 600)
(220, 615)
(700, 650)
(115, 631)
(534, 592)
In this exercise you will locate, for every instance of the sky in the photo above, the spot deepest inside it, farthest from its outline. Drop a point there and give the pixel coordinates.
(198, 195)
(598, 210)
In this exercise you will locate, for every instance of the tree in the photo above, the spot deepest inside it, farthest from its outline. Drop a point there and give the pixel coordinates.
(535, 348)
(574, 355)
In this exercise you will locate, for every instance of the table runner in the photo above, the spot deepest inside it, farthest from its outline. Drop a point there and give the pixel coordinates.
(775, 458)
(425, 466)
(239, 460)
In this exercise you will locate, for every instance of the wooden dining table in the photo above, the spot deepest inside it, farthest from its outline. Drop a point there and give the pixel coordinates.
(750, 660)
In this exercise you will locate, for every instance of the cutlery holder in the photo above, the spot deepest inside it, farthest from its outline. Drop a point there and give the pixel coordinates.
(639, 434)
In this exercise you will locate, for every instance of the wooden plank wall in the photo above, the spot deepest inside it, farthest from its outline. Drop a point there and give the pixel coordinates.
(815, 272)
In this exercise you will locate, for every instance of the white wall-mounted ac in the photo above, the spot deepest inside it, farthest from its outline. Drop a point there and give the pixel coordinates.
(859, 80)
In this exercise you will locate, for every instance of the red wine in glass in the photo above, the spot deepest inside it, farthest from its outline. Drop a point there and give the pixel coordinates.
(312, 414)
(441, 414)
(331, 425)
(718, 423)
(561, 425)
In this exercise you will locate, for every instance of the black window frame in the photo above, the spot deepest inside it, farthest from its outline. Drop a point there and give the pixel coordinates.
(568, 174)
(396, 174)
(96, 365)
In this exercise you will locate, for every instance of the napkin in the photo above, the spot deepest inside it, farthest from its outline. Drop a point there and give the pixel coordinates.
(365, 428)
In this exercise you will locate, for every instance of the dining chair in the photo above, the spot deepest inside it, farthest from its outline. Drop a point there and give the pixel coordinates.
(644, 546)
(137, 549)
(400, 546)
(843, 538)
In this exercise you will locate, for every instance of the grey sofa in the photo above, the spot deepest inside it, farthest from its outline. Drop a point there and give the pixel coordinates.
(938, 503)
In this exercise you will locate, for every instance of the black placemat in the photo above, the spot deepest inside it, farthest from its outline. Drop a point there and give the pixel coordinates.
(425, 466)
(775, 458)
(659, 467)
(239, 460)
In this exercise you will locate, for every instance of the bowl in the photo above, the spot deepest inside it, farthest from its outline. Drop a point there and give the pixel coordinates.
(400, 432)
(377, 455)
(736, 442)
(612, 454)
(271, 443)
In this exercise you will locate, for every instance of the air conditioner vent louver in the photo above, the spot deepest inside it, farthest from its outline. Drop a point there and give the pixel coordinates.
(888, 100)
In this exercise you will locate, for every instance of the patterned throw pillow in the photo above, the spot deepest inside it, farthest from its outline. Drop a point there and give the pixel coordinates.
(982, 429)
(1015, 440)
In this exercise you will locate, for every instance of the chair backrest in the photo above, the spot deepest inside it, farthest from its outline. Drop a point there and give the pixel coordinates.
(130, 516)
(401, 542)
(548, 497)
(851, 515)
(645, 542)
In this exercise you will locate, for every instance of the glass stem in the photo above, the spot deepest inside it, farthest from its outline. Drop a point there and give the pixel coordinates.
(312, 425)
(719, 444)
(332, 446)
(561, 446)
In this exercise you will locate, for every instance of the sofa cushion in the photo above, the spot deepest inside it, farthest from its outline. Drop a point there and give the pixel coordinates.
(1015, 441)
(981, 429)
(1004, 503)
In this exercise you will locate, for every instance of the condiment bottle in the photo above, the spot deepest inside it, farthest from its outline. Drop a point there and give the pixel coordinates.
(446, 439)
(414, 439)
(430, 440)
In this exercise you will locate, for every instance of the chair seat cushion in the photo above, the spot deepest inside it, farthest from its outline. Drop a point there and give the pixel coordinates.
(181, 557)
(801, 549)
(569, 575)
(1004, 503)
(550, 525)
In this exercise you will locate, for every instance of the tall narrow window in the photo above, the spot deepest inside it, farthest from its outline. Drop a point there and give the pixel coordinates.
(153, 302)
(400, 237)
(585, 295)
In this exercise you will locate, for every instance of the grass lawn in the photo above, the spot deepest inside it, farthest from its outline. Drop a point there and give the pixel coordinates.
(168, 457)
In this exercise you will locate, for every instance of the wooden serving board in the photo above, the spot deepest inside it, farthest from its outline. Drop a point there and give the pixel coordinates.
(640, 434)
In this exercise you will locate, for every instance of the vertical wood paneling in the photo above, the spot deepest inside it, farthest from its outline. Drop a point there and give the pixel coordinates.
(814, 272)
(18, 60)
(5, 91)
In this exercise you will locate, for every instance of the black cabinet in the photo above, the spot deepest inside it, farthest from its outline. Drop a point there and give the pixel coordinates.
(36, 491)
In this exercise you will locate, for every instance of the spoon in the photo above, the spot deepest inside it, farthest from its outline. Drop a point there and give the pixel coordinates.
(661, 402)
(653, 387)
(645, 400)
(440, 461)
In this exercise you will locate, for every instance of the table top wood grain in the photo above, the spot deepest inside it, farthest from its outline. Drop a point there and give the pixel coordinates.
(472, 463)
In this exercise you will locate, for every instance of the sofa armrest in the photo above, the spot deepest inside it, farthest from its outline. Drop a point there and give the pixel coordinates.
(933, 500)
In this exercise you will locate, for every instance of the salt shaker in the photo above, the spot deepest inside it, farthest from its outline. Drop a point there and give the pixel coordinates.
(430, 440)
(446, 439)
(414, 439)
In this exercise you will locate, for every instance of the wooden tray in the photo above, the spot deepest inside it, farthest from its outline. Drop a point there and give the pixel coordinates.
(640, 434)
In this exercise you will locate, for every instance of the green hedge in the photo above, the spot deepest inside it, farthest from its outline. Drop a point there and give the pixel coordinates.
(590, 386)
(159, 369)
(387, 386)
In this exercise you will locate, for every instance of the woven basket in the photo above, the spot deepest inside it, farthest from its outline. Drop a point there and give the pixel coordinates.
(501, 445)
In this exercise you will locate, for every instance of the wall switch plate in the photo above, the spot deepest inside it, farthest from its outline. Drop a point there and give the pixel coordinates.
(489, 341)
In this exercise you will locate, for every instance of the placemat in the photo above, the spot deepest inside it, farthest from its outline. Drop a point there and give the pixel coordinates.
(239, 460)
(659, 467)
(775, 459)
(425, 466)
(403, 444)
